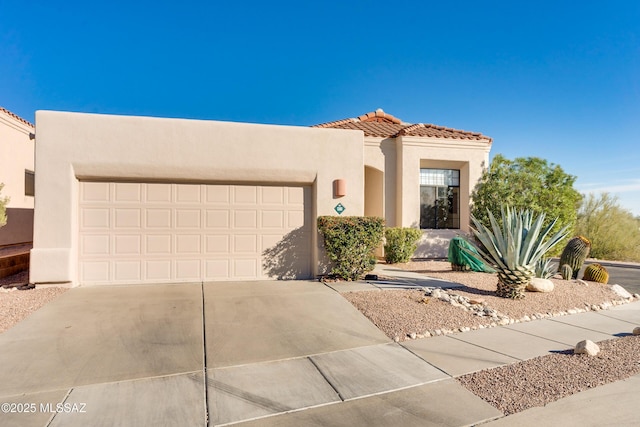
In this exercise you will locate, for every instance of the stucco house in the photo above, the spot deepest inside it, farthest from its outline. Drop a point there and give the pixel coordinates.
(153, 200)
(17, 175)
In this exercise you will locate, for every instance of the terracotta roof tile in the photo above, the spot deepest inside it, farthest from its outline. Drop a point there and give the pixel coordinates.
(434, 131)
(15, 116)
(383, 125)
(380, 117)
(380, 129)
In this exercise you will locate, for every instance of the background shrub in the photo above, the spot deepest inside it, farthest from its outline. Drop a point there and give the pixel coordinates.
(3, 203)
(613, 231)
(400, 244)
(529, 183)
(350, 242)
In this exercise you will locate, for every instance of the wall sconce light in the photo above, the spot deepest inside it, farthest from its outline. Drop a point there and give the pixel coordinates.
(339, 188)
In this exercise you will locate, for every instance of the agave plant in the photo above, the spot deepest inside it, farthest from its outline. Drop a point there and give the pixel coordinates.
(514, 247)
(544, 269)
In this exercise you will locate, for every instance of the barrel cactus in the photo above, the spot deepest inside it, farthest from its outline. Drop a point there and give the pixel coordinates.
(574, 254)
(514, 247)
(566, 271)
(596, 273)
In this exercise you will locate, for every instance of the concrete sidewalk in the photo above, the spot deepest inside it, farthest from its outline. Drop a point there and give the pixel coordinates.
(440, 402)
(397, 279)
(269, 354)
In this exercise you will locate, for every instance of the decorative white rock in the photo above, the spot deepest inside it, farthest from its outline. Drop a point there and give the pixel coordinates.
(587, 347)
(620, 291)
(540, 285)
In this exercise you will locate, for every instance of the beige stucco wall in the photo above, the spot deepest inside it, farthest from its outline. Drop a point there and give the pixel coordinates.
(413, 153)
(373, 192)
(73, 146)
(380, 154)
(16, 155)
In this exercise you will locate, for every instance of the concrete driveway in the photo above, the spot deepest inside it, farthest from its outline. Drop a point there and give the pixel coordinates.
(215, 354)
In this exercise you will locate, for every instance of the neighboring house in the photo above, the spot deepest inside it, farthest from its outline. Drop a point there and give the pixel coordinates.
(152, 200)
(17, 175)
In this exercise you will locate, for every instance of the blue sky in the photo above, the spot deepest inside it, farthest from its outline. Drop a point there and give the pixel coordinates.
(558, 80)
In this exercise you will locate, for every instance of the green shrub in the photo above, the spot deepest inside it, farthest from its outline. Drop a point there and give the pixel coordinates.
(3, 211)
(400, 244)
(614, 231)
(529, 183)
(350, 242)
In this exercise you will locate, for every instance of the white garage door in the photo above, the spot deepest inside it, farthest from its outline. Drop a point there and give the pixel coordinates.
(161, 233)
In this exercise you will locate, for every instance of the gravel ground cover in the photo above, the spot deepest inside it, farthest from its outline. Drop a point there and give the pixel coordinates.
(15, 305)
(567, 294)
(536, 382)
(403, 314)
(411, 314)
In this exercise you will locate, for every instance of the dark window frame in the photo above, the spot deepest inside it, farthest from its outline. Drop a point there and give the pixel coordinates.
(442, 188)
(29, 183)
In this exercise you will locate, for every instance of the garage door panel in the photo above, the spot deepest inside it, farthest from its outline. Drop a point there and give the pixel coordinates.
(95, 271)
(158, 270)
(128, 245)
(295, 219)
(245, 219)
(96, 192)
(125, 192)
(188, 244)
(269, 241)
(217, 269)
(188, 218)
(95, 244)
(272, 219)
(272, 195)
(217, 244)
(243, 244)
(245, 268)
(218, 194)
(186, 193)
(127, 271)
(159, 233)
(127, 218)
(95, 218)
(158, 218)
(296, 196)
(245, 195)
(188, 269)
(158, 244)
(158, 193)
(217, 218)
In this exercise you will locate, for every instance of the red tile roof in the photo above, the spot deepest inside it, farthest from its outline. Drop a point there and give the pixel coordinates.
(383, 125)
(15, 116)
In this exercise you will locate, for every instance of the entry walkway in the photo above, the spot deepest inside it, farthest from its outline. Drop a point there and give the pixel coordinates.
(264, 354)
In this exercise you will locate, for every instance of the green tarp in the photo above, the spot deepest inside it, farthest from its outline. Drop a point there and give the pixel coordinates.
(458, 255)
